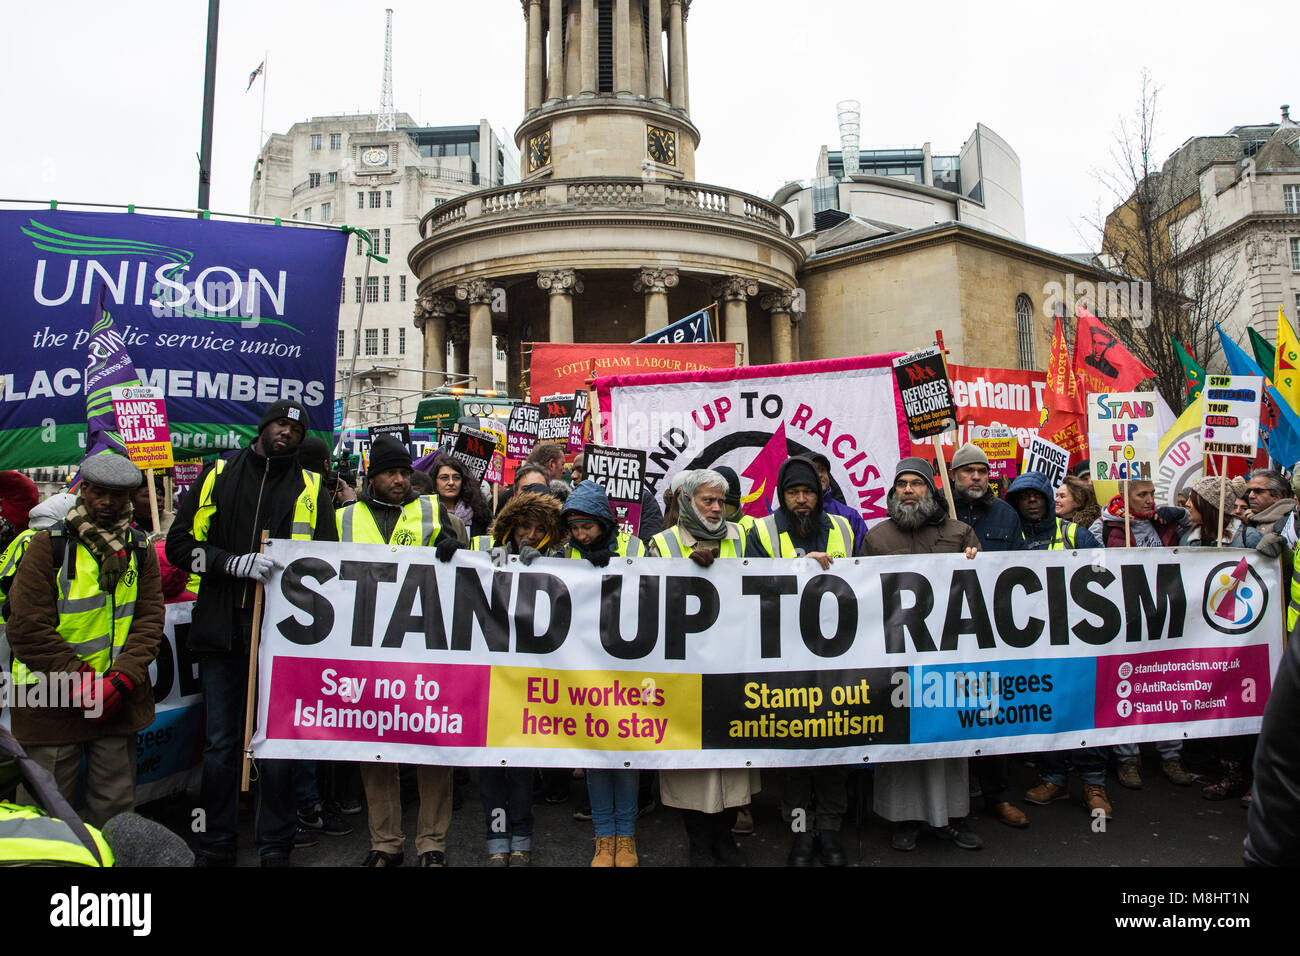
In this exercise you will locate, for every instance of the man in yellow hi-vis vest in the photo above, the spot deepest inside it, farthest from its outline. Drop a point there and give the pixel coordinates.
(217, 535)
(801, 528)
(389, 512)
(85, 623)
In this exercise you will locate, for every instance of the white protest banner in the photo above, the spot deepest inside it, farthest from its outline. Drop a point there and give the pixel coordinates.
(1049, 459)
(1230, 424)
(752, 419)
(376, 653)
(1123, 435)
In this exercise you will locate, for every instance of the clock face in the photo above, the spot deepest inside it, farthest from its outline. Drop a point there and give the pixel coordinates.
(374, 156)
(539, 150)
(661, 145)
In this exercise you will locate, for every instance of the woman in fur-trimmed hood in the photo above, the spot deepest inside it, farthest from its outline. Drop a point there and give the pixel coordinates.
(529, 510)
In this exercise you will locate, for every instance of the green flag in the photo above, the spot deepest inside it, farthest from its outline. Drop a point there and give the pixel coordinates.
(1265, 354)
(1195, 374)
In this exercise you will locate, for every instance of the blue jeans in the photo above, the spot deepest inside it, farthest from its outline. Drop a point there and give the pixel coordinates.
(224, 681)
(613, 796)
(305, 794)
(507, 795)
(1090, 762)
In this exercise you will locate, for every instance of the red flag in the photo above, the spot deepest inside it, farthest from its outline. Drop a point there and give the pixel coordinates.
(1063, 392)
(1070, 431)
(1101, 361)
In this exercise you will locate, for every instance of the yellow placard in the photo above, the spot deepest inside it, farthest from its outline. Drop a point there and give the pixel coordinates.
(594, 710)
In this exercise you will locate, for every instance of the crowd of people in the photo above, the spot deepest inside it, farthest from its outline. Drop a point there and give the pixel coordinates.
(85, 577)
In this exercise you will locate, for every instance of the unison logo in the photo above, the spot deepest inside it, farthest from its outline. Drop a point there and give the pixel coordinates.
(1235, 597)
(217, 293)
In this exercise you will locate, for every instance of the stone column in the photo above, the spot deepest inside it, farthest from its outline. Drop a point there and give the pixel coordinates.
(478, 293)
(778, 306)
(555, 31)
(590, 56)
(563, 285)
(656, 65)
(622, 47)
(432, 314)
(655, 283)
(536, 59)
(735, 292)
(458, 333)
(676, 49)
(686, 60)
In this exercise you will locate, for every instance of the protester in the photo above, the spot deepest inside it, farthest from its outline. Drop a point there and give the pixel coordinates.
(314, 455)
(217, 535)
(422, 483)
(1269, 498)
(1031, 496)
(18, 496)
(1148, 527)
(528, 526)
(913, 793)
(593, 532)
(1273, 824)
(86, 600)
(801, 528)
(550, 457)
(1203, 515)
(389, 512)
(671, 506)
(734, 507)
(578, 470)
(1077, 502)
(176, 581)
(460, 494)
(709, 800)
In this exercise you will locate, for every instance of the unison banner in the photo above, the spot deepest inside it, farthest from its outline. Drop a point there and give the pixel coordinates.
(377, 653)
(224, 317)
(754, 418)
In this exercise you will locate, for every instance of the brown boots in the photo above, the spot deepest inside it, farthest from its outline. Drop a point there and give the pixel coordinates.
(615, 851)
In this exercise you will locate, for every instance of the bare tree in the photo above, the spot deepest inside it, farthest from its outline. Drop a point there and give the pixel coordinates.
(1158, 235)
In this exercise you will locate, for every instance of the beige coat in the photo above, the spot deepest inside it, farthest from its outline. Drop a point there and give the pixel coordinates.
(709, 791)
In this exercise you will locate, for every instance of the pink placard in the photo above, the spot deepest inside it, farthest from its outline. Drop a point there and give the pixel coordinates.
(1207, 683)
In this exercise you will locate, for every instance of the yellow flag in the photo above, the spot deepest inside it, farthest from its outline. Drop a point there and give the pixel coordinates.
(1286, 370)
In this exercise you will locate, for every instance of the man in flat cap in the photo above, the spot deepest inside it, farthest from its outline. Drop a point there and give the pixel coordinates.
(217, 535)
(85, 622)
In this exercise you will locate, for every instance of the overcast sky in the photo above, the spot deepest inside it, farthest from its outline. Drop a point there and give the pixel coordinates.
(102, 100)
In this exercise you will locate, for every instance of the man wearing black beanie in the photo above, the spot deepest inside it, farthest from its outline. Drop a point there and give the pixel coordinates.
(217, 535)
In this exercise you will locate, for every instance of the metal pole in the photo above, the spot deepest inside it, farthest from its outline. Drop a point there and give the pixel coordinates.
(209, 99)
(356, 344)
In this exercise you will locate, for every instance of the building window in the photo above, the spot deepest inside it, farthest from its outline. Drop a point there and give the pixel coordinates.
(401, 341)
(1295, 255)
(1025, 330)
(372, 288)
(501, 387)
(326, 209)
(1292, 196)
(357, 290)
(388, 199)
(374, 239)
(343, 290)
(401, 288)
(385, 349)
(359, 244)
(604, 46)
(374, 199)
(306, 214)
(336, 140)
(388, 236)
(361, 200)
(340, 343)
(372, 341)
(331, 177)
(385, 284)
(313, 180)
(315, 140)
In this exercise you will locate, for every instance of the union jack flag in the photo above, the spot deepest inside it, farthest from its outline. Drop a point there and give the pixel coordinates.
(253, 76)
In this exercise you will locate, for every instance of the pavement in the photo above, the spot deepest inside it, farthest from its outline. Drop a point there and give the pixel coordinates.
(1159, 825)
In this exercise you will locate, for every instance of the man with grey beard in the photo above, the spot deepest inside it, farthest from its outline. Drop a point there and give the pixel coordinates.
(914, 793)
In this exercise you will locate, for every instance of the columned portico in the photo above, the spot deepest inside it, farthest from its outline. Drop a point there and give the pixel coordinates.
(654, 285)
(562, 285)
(735, 291)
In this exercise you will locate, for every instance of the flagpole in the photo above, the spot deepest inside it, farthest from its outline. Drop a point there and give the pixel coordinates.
(261, 123)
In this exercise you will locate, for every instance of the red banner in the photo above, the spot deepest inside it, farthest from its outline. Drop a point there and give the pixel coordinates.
(993, 396)
(567, 367)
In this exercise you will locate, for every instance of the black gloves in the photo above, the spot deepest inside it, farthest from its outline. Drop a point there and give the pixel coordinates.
(600, 557)
(446, 548)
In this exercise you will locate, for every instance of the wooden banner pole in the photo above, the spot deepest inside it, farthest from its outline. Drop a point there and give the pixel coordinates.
(250, 707)
(153, 502)
(1223, 496)
(943, 470)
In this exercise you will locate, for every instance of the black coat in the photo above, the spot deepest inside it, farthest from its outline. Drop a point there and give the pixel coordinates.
(1273, 826)
(995, 522)
(253, 493)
